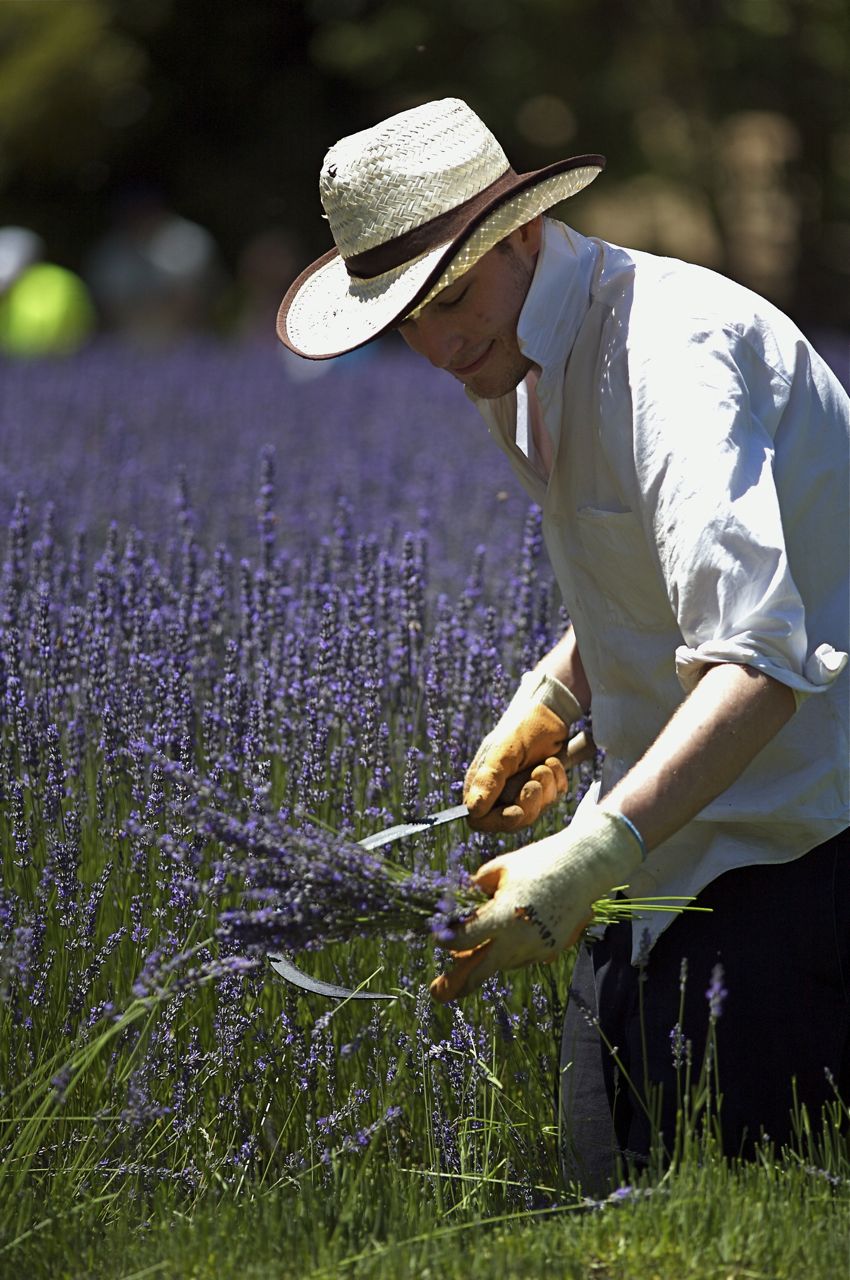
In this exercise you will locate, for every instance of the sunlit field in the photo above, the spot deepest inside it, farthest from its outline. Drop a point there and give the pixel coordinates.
(310, 590)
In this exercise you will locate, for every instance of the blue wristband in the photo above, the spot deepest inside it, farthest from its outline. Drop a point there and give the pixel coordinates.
(637, 835)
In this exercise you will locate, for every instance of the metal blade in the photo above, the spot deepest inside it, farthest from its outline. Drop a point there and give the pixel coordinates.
(293, 974)
(402, 829)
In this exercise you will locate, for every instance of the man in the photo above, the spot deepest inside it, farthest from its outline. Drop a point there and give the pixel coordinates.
(689, 451)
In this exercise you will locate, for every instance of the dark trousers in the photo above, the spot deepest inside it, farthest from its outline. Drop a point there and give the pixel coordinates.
(782, 934)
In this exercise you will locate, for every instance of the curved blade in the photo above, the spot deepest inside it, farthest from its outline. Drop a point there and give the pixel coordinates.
(402, 829)
(293, 974)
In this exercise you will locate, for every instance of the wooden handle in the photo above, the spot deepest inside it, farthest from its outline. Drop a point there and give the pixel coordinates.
(581, 747)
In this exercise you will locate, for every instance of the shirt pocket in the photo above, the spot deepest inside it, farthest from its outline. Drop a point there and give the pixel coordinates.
(621, 570)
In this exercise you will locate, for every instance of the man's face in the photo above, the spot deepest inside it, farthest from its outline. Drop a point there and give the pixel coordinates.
(470, 327)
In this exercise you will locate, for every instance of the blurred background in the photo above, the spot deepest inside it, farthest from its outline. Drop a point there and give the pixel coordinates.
(159, 158)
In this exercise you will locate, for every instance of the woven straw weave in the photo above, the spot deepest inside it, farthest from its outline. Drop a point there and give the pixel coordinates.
(378, 184)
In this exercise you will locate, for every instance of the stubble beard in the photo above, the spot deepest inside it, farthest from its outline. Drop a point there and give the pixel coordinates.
(508, 379)
(516, 364)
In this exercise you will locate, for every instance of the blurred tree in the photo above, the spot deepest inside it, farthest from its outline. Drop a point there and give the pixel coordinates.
(726, 122)
(240, 118)
(67, 78)
(69, 83)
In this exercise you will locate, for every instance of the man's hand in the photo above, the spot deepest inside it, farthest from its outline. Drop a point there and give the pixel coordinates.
(532, 731)
(541, 900)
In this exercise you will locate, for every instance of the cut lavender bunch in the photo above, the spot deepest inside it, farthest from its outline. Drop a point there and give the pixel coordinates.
(306, 888)
(309, 888)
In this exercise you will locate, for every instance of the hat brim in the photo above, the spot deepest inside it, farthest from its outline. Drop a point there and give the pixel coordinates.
(326, 312)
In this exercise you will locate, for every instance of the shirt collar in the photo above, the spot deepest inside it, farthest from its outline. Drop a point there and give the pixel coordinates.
(558, 299)
(555, 306)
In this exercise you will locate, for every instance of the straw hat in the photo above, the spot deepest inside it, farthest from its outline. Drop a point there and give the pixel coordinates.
(412, 204)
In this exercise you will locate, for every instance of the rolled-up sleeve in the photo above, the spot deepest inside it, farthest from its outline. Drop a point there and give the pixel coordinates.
(706, 412)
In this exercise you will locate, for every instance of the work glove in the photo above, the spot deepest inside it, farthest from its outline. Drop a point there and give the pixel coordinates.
(541, 900)
(532, 730)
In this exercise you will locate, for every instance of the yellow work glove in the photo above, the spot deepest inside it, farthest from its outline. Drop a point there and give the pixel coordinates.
(532, 731)
(541, 900)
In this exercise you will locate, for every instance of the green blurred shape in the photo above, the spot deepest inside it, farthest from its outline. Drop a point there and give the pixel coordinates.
(47, 311)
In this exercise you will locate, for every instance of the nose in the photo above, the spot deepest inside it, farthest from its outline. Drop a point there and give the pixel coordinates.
(431, 337)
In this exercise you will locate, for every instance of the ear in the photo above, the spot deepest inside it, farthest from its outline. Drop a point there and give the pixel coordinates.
(531, 234)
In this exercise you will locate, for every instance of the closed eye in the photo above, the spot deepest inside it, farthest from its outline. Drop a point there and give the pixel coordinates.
(452, 302)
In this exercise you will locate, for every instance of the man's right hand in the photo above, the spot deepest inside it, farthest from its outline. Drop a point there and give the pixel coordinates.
(533, 729)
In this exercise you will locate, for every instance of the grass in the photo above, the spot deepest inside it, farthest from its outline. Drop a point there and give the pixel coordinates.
(757, 1222)
(377, 1213)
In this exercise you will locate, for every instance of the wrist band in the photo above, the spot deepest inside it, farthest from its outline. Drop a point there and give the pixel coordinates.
(637, 835)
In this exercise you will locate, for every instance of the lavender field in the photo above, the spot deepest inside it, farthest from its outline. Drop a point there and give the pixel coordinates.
(315, 594)
(234, 593)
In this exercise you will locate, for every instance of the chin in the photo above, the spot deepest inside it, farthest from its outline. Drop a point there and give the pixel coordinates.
(493, 388)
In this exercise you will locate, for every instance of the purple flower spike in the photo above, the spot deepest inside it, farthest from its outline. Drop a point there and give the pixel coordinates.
(716, 993)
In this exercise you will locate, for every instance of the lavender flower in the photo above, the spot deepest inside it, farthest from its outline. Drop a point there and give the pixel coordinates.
(677, 1046)
(716, 993)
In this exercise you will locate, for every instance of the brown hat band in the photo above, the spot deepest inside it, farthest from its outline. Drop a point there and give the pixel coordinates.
(439, 230)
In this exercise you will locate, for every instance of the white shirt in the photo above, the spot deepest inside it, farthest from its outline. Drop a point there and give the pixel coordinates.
(696, 511)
